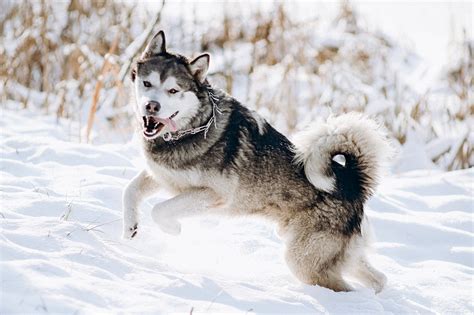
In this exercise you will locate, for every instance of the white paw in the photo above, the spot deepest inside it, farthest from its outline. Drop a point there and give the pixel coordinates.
(167, 224)
(129, 231)
(380, 283)
(172, 227)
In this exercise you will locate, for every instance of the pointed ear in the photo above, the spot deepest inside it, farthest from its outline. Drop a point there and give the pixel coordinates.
(199, 66)
(156, 45)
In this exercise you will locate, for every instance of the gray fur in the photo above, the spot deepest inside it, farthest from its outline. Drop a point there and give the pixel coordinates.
(245, 167)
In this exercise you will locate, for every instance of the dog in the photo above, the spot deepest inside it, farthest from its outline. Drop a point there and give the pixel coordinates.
(218, 156)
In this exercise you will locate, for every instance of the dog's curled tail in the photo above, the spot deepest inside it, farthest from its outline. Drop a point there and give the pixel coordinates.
(343, 156)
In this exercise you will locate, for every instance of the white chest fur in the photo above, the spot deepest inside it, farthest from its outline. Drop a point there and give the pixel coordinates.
(177, 180)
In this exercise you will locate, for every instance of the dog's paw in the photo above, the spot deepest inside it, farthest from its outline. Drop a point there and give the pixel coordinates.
(130, 232)
(166, 223)
(380, 283)
(172, 227)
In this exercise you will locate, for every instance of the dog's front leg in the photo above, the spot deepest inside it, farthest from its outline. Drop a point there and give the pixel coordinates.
(140, 187)
(190, 202)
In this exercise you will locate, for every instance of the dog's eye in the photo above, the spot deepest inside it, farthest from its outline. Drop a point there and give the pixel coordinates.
(173, 91)
(146, 84)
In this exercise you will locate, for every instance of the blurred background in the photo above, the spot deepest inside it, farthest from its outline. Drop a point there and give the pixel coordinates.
(407, 64)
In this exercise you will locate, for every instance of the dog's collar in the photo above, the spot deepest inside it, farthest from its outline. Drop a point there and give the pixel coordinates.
(168, 136)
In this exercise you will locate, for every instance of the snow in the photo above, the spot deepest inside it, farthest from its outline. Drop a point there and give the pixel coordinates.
(292, 62)
(61, 249)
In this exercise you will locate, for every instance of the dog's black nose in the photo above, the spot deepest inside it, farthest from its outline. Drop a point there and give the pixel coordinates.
(152, 107)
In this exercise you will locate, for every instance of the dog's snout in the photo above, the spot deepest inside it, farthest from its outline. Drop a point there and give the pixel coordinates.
(152, 107)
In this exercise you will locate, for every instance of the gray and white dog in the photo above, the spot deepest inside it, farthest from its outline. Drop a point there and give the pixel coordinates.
(218, 156)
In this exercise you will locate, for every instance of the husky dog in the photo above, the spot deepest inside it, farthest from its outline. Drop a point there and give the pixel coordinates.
(219, 157)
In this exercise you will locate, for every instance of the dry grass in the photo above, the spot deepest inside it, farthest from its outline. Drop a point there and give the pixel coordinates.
(73, 58)
(65, 57)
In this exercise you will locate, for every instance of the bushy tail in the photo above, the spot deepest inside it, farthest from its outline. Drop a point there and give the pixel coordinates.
(343, 156)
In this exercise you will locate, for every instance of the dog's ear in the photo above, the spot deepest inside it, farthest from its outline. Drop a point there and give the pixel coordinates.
(156, 45)
(199, 67)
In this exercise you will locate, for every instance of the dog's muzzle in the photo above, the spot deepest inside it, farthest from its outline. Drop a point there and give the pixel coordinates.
(152, 125)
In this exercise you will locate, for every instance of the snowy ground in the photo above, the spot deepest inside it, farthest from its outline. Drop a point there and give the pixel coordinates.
(61, 247)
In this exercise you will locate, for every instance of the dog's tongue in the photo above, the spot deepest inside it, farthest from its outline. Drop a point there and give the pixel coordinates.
(167, 122)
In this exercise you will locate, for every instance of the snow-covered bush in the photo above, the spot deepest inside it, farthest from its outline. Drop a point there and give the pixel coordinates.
(72, 58)
(66, 57)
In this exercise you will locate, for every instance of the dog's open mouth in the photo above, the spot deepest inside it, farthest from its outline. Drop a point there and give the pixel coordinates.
(152, 125)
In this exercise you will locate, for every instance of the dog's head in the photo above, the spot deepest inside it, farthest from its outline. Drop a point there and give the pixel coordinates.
(166, 87)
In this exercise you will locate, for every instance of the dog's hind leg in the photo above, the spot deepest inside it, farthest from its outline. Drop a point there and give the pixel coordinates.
(316, 258)
(357, 264)
(140, 187)
(368, 275)
(191, 202)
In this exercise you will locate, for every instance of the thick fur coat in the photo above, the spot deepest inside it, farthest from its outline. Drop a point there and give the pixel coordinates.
(314, 189)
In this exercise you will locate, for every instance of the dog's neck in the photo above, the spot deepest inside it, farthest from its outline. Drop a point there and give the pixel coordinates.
(204, 128)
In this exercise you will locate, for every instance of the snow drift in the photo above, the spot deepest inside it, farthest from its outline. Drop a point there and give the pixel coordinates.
(61, 250)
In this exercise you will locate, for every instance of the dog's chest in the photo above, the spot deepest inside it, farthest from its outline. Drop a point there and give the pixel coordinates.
(178, 179)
